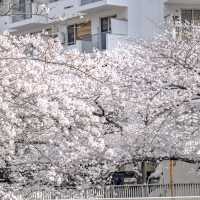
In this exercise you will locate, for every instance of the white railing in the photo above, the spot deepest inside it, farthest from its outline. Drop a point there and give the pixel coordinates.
(144, 198)
(21, 11)
(131, 191)
(99, 41)
(117, 192)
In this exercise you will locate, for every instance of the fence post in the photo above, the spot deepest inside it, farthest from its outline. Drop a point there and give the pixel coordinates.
(85, 193)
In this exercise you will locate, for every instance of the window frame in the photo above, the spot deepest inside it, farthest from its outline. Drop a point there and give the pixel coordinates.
(192, 20)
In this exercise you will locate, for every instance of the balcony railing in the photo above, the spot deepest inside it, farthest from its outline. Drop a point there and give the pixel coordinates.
(21, 12)
(95, 41)
(90, 42)
(84, 2)
(100, 41)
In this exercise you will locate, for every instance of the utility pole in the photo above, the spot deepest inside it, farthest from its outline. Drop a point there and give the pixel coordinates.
(171, 182)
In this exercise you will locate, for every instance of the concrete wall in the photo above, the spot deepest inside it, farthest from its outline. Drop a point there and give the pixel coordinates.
(4, 22)
(145, 17)
(113, 41)
(182, 172)
(118, 2)
(119, 27)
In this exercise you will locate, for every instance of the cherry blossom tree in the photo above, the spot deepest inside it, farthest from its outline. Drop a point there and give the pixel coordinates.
(157, 97)
(49, 133)
(70, 119)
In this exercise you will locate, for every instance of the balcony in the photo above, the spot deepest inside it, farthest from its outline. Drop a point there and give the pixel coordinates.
(64, 9)
(100, 41)
(99, 5)
(104, 40)
(5, 18)
(28, 16)
(21, 12)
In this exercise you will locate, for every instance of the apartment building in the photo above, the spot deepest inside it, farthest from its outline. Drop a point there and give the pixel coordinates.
(80, 24)
(145, 16)
(89, 24)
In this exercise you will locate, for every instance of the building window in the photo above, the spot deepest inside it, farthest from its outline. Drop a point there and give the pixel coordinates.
(83, 31)
(1, 3)
(51, 1)
(106, 24)
(79, 32)
(124, 178)
(21, 9)
(71, 30)
(196, 16)
(190, 15)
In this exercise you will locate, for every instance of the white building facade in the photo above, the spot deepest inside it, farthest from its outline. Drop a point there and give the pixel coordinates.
(80, 24)
(88, 24)
(145, 17)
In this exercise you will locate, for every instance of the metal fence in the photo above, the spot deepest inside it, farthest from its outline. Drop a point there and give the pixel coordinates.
(144, 198)
(160, 198)
(116, 192)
